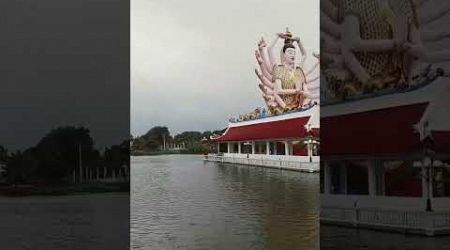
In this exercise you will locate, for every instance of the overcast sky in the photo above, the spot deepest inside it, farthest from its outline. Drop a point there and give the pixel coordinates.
(192, 62)
(64, 63)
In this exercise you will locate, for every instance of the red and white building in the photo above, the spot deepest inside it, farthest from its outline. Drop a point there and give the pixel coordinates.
(385, 161)
(287, 141)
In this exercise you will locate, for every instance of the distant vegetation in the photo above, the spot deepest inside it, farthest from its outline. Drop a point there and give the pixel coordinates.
(55, 160)
(152, 141)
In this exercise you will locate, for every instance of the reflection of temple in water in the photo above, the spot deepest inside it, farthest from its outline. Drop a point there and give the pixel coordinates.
(286, 203)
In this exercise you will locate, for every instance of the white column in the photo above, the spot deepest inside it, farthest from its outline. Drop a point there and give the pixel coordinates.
(424, 184)
(218, 147)
(343, 180)
(286, 147)
(229, 147)
(326, 178)
(430, 187)
(372, 178)
(253, 147)
(267, 147)
(275, 145)
(239, 147)
(427, 186)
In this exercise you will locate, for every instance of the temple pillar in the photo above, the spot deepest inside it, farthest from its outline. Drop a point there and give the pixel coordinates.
(275, 146)
(343, 178)
(286, 147)
(218, 147)
(267, 147)
(427, 186)
(239, 147)
(253, 147)
(326, 178)
(371, 173)
(228, 147)
(424, 183)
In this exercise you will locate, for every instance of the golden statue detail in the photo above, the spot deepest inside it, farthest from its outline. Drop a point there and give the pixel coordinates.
(369, 45)
(283, 85)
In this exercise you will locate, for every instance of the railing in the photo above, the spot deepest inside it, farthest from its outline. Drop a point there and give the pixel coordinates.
(414, 221)
(260, 160)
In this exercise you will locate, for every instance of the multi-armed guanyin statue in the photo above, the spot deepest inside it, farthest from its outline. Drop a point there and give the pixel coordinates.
(369, 45)
(284, 85)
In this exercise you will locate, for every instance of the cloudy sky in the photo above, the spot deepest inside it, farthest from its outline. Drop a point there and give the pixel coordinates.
(192, 62)
(64, 63)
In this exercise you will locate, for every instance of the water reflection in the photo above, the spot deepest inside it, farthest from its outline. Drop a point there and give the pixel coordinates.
(181, 202)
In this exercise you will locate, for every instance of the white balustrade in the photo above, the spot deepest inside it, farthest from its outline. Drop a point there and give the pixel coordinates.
(289, 162)
(374, 212)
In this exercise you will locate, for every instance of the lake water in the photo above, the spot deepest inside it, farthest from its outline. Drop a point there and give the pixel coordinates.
(181, 202)
(88, 221)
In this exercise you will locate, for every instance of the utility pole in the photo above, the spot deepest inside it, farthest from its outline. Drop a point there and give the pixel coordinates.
(80, 162)
(164, 141)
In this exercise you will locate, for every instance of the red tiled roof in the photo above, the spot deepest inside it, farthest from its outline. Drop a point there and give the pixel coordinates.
(384, 131)
(282, 129)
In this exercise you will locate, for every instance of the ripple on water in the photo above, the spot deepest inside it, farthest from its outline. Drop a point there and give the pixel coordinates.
(178, 201)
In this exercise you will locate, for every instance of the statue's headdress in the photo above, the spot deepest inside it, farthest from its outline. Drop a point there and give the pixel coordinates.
(288, 36)
(288, 43)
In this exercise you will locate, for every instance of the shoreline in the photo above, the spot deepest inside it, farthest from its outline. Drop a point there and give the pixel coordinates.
(63, 190)
(164, 153)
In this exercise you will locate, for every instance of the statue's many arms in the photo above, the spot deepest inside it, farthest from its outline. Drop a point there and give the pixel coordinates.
(283, 84)
(374, 44)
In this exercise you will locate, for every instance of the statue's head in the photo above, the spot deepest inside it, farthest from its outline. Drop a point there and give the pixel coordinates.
(289, 53)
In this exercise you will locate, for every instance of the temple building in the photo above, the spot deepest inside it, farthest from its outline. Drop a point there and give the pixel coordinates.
(287, 141)
(385, 160)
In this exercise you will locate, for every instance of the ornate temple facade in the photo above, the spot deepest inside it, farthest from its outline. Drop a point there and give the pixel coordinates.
(385, 152)
(288, 141)
(370, 179)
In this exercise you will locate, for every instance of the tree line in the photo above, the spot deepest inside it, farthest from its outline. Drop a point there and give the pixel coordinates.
(56, 158)
(152, 141)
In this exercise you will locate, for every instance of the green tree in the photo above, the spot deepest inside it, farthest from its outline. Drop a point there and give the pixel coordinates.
(152, 140)
(21, 167)
(3, 154)
(58, 152)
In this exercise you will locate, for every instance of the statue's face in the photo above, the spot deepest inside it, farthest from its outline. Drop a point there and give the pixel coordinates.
(289, 55)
